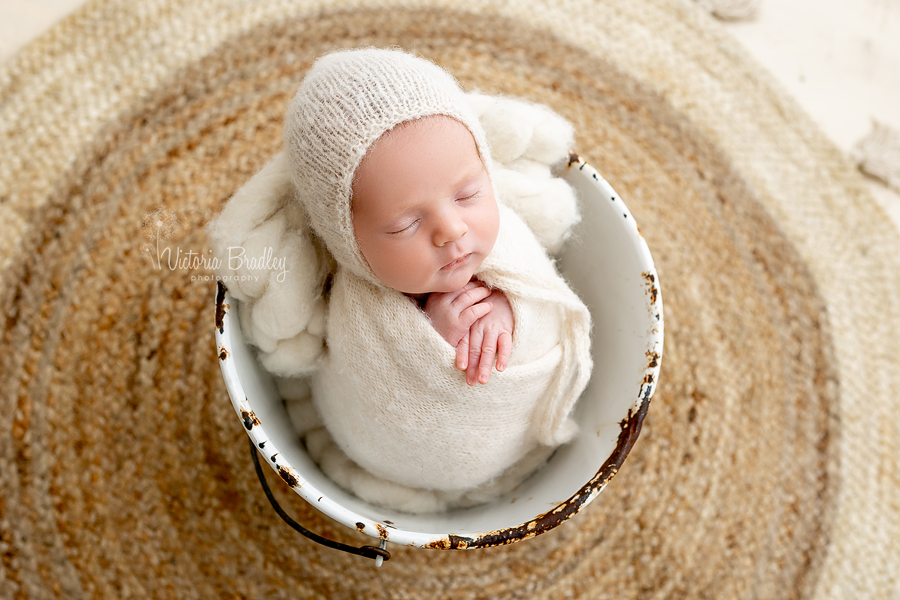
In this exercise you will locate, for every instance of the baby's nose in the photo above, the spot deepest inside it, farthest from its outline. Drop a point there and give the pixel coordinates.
(449, 230)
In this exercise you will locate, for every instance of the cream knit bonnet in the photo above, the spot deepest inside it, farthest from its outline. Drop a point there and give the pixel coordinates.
(347, 101)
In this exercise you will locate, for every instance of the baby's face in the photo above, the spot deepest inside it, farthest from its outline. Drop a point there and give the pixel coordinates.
(424, 211)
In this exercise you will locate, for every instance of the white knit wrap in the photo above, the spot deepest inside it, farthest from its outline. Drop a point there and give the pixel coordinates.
(391, 396)
(345, 103)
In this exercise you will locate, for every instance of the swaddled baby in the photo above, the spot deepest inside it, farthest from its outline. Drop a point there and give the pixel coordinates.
(442, 350)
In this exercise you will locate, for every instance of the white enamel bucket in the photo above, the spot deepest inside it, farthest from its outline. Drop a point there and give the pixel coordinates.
(608, 263)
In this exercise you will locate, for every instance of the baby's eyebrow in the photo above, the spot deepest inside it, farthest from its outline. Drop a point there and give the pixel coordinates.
(398, 217)
(472, 174)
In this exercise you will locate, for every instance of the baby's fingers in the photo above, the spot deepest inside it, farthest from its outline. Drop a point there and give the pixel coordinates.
(472, 294)
(476, 335)
(462, 353)
(504, 349)
(473, 313)
(488, 354)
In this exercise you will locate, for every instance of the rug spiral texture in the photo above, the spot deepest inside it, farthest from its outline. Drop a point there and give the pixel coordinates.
(768, 463)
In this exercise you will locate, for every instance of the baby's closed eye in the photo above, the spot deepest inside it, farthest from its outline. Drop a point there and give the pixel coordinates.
(405, 227)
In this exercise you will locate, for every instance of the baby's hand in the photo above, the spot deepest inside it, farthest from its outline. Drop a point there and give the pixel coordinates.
(489, 337)
(453, 313)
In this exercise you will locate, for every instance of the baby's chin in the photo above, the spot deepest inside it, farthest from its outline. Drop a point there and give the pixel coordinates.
(458, 280)
(441, 285)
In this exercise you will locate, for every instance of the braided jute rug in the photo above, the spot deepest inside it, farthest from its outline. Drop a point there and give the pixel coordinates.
(769, 463)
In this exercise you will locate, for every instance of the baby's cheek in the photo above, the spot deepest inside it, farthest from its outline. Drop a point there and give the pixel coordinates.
(491, 220)
(410, 270)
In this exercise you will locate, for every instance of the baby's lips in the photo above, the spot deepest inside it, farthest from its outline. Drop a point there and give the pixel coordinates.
(458, 261)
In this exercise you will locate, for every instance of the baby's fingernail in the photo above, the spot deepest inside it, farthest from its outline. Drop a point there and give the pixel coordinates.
(483, 379)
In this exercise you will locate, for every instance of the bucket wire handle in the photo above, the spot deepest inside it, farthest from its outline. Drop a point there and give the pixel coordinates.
(379, 554)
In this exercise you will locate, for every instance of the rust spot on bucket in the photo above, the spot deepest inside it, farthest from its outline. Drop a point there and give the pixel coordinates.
(249, 419)
(361, 527)
(650, 278)
(652, 359)
(220, 306)
(382, 532)
(223, 354)
(573, 158)
(288, 477)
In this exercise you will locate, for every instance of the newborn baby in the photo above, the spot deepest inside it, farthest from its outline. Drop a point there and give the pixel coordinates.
(411, 277)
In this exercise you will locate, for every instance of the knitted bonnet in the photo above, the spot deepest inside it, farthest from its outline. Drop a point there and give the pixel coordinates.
(347, 101)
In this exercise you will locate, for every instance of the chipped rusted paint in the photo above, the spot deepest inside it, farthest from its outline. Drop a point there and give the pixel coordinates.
(223, 354)
(249, 419)
(652, 359)
(574, 158)
(650, 278)
(288, 476)
(382, 532)
(221, 307)
(630, 429)
(361, 527)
